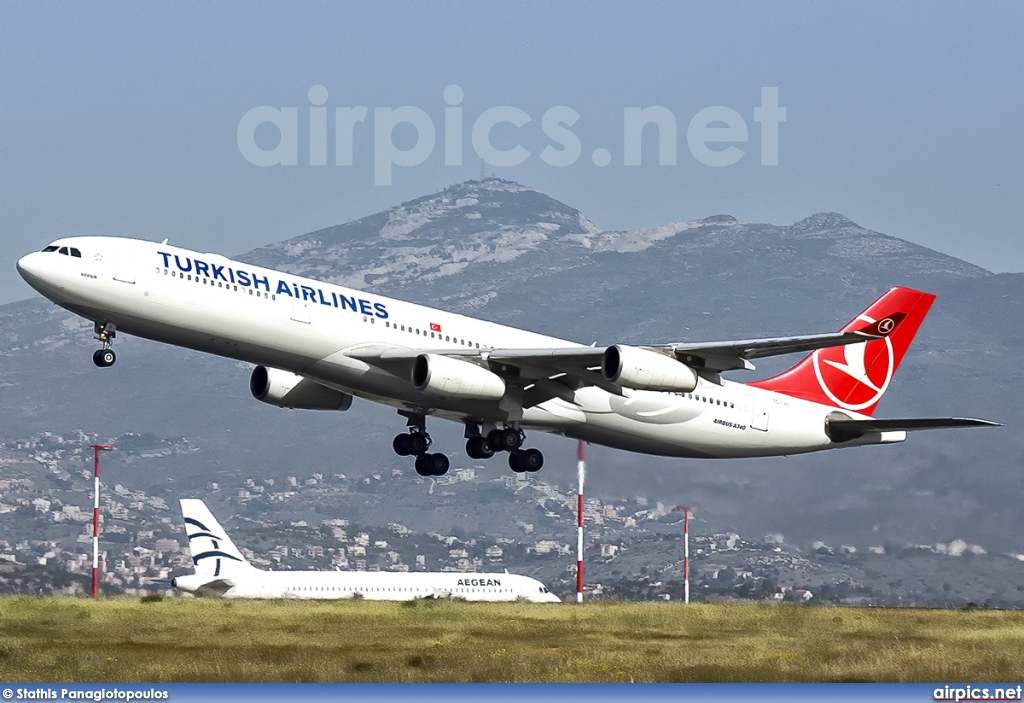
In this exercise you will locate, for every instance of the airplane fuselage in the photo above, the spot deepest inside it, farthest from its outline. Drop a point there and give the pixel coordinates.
(212, 304)
(334, 585)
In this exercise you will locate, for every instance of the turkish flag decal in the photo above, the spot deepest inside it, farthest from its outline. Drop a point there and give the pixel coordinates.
(434, 327)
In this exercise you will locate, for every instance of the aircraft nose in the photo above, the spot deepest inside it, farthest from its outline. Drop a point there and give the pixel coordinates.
(29, 267)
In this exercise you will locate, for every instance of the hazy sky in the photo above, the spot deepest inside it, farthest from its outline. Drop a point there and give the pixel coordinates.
(123, 118)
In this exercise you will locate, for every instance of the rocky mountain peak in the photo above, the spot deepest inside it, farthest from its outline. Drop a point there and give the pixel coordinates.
(824, 221)
(493, 220)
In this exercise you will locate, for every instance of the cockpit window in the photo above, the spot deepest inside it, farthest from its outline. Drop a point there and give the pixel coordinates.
(50, 248)
(63, 250)
(75, 253)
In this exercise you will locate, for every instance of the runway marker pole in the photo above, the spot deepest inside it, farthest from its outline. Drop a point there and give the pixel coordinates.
(686, 557)
(581, 470)
(96, 515)
(685, 510)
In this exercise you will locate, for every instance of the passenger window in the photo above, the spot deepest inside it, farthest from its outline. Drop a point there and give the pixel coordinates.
(447, 338)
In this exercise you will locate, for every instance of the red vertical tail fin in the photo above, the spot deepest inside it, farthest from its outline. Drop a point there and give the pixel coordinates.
(854, 377)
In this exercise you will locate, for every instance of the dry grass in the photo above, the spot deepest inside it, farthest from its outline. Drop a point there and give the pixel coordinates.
(123, 640)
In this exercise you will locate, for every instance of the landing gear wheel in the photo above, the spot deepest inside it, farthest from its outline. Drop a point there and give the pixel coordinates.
(418, 443)
(477, 448)
(527, 460)
(432, 464)
(506, 440)
(104, 358)
(412, 444)
(402, 444)
(531, 460)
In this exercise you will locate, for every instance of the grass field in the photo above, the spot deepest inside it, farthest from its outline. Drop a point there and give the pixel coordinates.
(124, 640)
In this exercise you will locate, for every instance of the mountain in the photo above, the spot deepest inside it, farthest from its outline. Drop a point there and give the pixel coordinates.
(505, 252)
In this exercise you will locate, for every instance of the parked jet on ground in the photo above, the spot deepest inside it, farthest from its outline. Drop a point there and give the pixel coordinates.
(316, 345)
(221, 571)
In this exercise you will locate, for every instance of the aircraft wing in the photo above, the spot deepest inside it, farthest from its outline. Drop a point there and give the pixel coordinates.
(725, 356)
(843, 429)
(710, 356)
(547, 373)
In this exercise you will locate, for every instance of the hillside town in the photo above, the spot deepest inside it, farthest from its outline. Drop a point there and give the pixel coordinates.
(633, 548)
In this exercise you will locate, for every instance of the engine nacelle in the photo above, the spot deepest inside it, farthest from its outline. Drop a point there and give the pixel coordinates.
(646, 370)
(451, 378)
(288, 390)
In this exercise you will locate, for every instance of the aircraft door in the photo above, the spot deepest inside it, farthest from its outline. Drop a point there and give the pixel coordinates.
(759, 417)
(124, 268)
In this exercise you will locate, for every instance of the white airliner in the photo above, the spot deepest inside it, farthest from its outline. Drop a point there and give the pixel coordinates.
(221, 571)
(316, 345)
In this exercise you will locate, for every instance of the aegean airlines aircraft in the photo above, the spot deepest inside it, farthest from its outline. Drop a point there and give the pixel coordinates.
(221, 571)
(316, 345)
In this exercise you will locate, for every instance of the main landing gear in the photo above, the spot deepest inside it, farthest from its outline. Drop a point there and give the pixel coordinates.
(416, 442)
(104, 333)
(510, 439)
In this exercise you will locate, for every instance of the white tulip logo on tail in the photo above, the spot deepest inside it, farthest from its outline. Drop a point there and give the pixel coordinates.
(855, 376)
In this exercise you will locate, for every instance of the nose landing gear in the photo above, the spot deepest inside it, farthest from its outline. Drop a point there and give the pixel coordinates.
(104, 333)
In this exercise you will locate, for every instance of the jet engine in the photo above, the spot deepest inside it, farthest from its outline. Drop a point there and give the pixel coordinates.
(451, 378)
(288, 390)
(646, 370)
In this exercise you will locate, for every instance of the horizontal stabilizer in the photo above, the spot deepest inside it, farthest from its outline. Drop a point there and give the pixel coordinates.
(220, 586)
(844, 429)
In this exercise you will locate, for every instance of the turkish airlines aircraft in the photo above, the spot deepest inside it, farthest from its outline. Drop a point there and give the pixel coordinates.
(316, 345)
(221, 571)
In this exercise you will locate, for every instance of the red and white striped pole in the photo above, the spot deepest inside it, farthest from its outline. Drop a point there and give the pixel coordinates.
(686, 556)
(581, 470)
(685, 510)
(96, 516)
